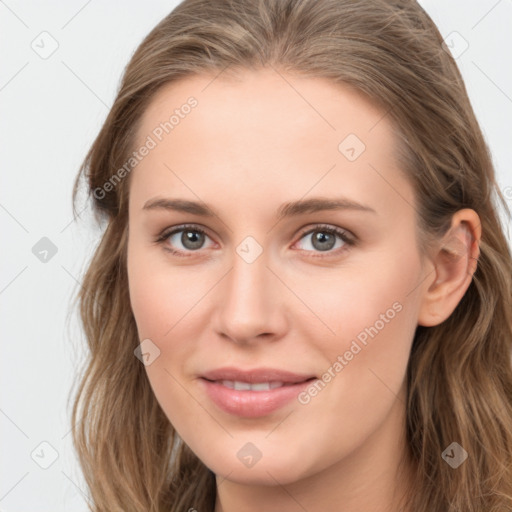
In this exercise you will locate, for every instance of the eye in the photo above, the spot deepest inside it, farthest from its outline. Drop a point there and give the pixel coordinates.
(324, 238)
(190, 237)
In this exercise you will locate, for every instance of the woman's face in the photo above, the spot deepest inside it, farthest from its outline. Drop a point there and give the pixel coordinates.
(268, 166)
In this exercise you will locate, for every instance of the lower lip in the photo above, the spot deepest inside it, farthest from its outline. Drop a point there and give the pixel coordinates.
(252, 404)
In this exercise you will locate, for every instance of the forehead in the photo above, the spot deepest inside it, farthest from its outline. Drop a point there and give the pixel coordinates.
(264, 132)
(245, 98)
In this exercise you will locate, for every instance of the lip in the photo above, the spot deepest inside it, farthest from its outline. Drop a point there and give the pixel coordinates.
(253, 404)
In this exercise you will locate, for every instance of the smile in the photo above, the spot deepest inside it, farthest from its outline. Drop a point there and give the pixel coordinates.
(252, 400)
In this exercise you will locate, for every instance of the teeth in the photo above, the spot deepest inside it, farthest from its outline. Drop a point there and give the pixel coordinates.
(242, 386)
(264, 386)
(246, 386)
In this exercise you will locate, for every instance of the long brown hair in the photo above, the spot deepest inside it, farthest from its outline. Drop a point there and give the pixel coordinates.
(459, 377)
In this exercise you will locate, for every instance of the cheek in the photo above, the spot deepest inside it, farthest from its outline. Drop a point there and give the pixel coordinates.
(160, 312)
(160, 294)
(374, 317)
(167, 318)
(366, 363)
(165, 302)
(355, 301)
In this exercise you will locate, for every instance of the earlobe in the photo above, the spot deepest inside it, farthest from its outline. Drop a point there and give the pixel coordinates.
(455, 262)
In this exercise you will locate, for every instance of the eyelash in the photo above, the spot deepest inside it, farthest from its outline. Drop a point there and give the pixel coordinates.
(349, 241)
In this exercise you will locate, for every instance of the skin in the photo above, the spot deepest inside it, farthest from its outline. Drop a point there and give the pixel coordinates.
(252, 144)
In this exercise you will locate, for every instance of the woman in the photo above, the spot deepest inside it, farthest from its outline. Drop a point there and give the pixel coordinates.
(301, 300)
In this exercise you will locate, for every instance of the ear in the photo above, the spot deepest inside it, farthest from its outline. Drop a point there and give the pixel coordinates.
(455, 261)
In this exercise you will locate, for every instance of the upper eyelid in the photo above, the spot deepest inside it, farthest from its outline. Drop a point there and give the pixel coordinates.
(191, 227)
(327, 227)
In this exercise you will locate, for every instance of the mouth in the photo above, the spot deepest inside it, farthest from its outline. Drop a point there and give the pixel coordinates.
(254, 393)
(256, 386)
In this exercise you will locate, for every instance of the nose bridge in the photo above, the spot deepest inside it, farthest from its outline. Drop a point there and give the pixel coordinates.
(248, 304)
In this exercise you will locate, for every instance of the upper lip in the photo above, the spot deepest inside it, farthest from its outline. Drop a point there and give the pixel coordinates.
(255, 375)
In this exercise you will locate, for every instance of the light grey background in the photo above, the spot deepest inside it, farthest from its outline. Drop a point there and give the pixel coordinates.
(50, 110)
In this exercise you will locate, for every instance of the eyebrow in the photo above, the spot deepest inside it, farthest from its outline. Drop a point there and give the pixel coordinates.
(290, 209)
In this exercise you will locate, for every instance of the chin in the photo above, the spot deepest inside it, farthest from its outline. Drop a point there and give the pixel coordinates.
(270, 470)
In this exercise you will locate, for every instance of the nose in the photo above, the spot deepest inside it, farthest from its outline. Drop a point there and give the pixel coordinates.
(250, 303)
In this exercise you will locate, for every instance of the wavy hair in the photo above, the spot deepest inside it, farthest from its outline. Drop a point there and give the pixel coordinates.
(459, 375)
